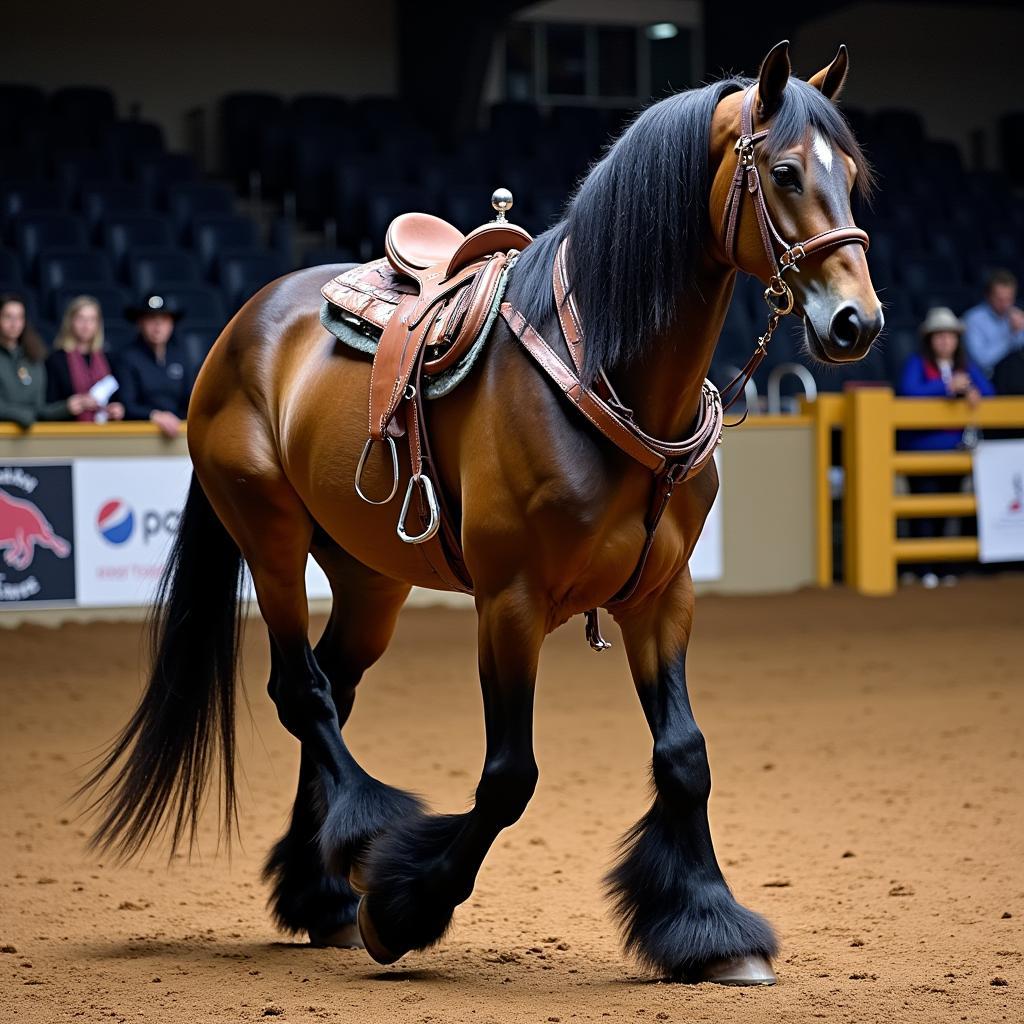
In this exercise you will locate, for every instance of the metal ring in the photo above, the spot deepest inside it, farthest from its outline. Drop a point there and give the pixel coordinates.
(771, 293)
(435, 513)
(394, 470)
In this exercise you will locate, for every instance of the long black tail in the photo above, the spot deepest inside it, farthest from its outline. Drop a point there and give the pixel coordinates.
(153, 777)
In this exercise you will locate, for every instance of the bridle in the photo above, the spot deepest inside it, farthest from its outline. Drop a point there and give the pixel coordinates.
(778, 295)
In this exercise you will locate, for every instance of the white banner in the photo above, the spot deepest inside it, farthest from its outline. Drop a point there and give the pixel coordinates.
(706, 560)
(126, 512)
(999, 488)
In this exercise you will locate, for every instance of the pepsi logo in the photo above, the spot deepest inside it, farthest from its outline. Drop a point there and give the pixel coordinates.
(115, 521)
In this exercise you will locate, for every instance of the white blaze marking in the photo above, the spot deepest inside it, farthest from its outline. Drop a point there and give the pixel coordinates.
(823, 151)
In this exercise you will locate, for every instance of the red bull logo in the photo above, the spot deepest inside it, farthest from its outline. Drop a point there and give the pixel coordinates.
(36, 527)
(23, 528)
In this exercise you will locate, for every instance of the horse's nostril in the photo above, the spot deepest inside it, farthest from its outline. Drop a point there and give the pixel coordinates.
(845, 329)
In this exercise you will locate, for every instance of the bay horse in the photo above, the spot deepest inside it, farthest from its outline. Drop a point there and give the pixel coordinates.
(552, 519)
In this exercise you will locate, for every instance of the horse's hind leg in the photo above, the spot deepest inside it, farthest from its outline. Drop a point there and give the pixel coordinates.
(678, 915)
(307, 896)
(418, 871)
(274, 531)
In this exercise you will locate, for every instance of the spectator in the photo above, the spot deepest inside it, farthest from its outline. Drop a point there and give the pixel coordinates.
(23, 372)
(941, 370)
(995, 328)
(78, 362)
(155, 372)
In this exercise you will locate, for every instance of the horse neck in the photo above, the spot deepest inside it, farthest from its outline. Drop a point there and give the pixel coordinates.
(663, 388)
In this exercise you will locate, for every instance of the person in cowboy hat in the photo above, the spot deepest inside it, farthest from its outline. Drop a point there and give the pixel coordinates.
(155, 372)
(942, 369)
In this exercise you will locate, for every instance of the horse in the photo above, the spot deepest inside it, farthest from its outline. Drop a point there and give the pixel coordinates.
(551, 517)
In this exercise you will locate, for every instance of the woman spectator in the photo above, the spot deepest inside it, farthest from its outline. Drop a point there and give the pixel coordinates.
(941, 370)
(78, 362)
(23, 372)
(155, 372)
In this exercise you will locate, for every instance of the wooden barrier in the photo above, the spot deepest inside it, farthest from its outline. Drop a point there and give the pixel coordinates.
(869, 419)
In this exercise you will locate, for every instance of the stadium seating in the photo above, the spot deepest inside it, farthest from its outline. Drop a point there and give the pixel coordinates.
(91, 202)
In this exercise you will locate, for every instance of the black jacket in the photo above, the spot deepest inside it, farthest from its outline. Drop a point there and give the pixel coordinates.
(146, 385)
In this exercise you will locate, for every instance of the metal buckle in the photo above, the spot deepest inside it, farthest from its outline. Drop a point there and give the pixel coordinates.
(788, 260)
(435, 514)
(394, 470)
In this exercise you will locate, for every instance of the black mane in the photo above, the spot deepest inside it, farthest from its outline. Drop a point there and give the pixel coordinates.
(637, 220)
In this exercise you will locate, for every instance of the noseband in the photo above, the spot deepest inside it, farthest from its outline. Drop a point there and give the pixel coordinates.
(778, 294)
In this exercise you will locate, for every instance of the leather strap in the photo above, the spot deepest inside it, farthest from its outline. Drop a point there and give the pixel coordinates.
(650, 452)
(747, 177)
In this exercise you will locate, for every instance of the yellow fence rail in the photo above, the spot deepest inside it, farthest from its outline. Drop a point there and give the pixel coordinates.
(869, 419)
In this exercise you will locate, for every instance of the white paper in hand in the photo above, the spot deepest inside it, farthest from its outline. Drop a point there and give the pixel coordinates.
(103, 389)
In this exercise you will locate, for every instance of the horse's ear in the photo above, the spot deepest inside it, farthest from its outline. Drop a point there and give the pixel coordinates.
(831, 80)
(772, 78)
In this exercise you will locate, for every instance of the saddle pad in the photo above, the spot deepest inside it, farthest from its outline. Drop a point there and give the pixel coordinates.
(376, 289)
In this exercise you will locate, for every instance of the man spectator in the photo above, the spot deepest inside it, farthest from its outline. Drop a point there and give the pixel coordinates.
(155, 372)
(995, 328)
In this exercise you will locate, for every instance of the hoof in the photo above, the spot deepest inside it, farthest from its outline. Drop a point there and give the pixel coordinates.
(740, 970)
(370, 938)
(345, 937)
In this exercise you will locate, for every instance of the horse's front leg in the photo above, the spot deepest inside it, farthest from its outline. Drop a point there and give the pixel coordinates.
(678, 915)
(421, 869)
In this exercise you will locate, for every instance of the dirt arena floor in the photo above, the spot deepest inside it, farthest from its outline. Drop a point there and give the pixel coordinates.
(868, 761)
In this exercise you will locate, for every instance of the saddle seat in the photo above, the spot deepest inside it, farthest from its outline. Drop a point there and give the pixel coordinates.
(416, 242)
(432, 299)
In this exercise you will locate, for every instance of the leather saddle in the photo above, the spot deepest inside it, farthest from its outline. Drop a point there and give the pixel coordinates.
(430, 298)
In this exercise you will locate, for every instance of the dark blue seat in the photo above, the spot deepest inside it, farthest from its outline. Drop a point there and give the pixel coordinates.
(318, 111)
(199, 303)
(112, 298)
(215, 233)
(134, 141)
(10, 268)
(959, 297)
(36, 231)
(82, 114)
(188, 200)
(118, 333)
(199, 336)
(322, 257)
(243, 116)
(519, 119)
(23, 197)
(156, 270)
(75, 170)
(21, 106)
(923, 271)
(105, 202)
(899, 128)
(59, 268)
(157, 174)
(139, 231)
(242, 273)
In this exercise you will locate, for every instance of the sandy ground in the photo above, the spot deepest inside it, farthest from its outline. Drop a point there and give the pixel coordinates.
(867, 758)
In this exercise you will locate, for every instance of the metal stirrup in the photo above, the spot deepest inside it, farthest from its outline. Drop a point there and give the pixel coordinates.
(362, 465)
(435, 513)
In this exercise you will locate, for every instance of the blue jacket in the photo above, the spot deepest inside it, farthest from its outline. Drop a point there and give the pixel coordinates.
(145, 385)
(918, 380)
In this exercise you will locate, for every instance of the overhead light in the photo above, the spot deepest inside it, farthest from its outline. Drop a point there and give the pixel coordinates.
(662, 30)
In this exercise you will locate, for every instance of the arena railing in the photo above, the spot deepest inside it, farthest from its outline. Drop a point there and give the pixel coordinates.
(869, 419)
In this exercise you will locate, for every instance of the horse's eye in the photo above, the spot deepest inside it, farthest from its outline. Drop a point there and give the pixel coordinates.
(784, 176)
